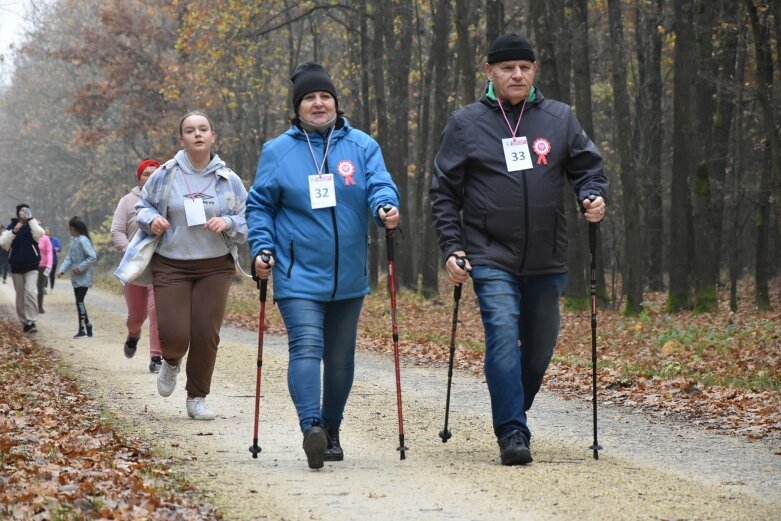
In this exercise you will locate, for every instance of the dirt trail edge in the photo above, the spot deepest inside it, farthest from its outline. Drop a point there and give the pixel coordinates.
(647, 470)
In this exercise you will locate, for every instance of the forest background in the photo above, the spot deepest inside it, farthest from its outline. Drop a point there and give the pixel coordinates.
(682, 97)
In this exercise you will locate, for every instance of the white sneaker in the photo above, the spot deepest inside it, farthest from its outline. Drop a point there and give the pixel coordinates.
(198, 410)
(166, 378)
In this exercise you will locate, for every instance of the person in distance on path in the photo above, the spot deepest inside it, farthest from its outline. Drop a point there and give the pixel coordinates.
(20, 239)
(80, 262)
(315, 186)
(497, 200)
(140, 300)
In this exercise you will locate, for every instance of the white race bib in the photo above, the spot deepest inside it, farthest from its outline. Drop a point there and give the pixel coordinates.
(321, 191)
(193, 209)
(516, 153)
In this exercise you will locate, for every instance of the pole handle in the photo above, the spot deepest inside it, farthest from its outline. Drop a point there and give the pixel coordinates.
(461, 262)
(262, 284)
(389, 237)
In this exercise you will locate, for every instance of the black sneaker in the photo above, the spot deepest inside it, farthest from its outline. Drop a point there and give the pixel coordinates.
(333, 451)
(81, 334)
(155, 363)
(315, 443)
(89, 329)
(514, 449)
(130, 347)
(29, 328)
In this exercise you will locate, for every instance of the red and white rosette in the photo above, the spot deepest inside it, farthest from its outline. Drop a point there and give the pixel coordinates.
(542, 148)
(346, 169)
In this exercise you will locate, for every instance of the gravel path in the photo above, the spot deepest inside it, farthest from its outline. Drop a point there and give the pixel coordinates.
(648, 469)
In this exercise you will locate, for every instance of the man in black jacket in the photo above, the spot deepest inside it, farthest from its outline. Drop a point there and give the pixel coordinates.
(497, 200)
(24, 258)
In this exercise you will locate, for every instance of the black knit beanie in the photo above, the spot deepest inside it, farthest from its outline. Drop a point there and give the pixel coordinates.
(310, 77)
(510, 47)
(20, 206)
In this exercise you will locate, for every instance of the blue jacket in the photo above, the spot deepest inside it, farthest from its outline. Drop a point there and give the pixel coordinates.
(81, 255)
(319, 254)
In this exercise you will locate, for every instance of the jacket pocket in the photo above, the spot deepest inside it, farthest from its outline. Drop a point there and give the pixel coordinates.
(292, 258)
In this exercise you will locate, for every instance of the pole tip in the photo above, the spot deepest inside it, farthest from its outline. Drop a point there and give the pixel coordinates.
(255, 449)
(596, 448)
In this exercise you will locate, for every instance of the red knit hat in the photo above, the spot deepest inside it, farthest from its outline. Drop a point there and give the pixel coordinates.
(143, 165)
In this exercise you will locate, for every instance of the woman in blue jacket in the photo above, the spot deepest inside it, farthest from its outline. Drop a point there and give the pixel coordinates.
(314, 188)
(80, 262)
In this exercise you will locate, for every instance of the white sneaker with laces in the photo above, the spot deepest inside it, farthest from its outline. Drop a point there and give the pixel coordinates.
(166, 378)
(198, 410)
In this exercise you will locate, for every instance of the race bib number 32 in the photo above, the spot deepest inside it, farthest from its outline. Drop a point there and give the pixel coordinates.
(321, 191)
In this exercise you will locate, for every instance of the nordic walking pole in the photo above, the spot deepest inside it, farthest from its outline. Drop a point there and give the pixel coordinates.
(445, 433)
(592, 245)
(263, 287)
(392, 285)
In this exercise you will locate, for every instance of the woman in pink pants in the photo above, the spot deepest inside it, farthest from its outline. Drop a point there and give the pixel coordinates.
(140, 299)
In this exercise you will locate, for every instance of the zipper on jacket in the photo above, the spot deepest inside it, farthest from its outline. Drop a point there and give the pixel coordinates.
(526, 218)
(336, 252)
(336, 239)
(292, 258)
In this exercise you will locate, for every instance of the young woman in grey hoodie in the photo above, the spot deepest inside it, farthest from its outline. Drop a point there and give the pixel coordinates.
(195, 204)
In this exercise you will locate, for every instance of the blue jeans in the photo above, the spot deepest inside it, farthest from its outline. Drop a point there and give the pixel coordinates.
(320, 332)
(516, 311)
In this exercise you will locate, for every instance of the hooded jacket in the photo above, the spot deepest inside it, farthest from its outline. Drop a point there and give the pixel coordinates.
(320, 254)
(24, 254)
(511, 220)
(123, 225)
(81, 255)
(193, 242)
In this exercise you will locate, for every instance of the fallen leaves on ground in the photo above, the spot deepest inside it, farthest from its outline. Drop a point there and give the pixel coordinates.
(719, 370)
(59, 459)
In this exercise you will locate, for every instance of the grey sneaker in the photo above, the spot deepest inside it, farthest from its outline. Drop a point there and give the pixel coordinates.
(198, 410)
(130, 347)
(166, 378)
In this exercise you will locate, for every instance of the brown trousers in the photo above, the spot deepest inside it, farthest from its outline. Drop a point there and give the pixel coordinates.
(191, 296)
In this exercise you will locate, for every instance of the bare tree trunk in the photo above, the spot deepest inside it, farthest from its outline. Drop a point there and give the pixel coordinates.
(736, 181)
(680, 211)
(545, 22)
(378, 75)
(398, 49)
(422, 166)
(466, 62)
(633, 269)
(706, 276)
(430, 254)
(649, 135)
(576, 292)
(769, 189)
(722, 122)
(494, 20)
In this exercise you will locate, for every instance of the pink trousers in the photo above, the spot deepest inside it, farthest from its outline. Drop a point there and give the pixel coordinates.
(140, 304)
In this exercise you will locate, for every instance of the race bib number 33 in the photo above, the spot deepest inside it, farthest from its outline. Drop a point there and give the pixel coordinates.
(321, 191)
(516, 153)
